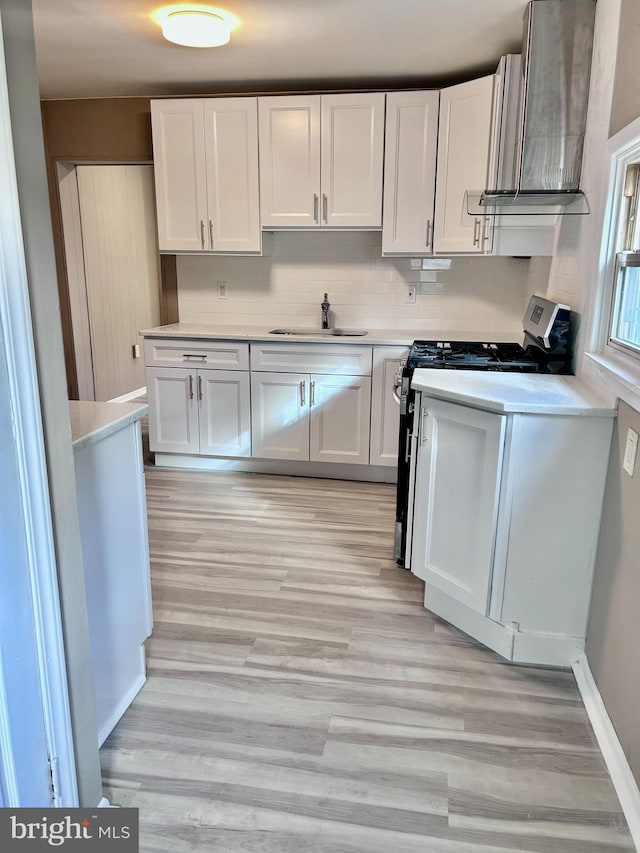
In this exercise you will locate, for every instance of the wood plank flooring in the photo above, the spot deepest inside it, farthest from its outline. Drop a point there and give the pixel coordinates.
(301, 700)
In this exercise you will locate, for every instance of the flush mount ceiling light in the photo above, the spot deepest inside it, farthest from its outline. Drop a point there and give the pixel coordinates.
(197, 26)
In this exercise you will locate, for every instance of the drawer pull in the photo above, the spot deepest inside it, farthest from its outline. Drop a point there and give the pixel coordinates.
(189, 356)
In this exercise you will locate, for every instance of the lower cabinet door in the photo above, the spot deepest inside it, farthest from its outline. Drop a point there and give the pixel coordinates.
(173, 410)
(459, 467)
(385, 408)
(340, 419)
(225, 418)
(280, 415)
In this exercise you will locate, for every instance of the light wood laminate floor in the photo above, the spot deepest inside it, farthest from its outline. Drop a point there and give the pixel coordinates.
(301, 700)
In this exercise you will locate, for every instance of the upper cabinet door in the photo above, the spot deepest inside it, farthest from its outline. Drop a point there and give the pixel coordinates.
(231, 139)
(180, 174)
(290, 160)
(411, 141)
(463, 151)
(352, 159)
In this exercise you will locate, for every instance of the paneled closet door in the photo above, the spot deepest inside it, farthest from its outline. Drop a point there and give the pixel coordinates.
(121, 271)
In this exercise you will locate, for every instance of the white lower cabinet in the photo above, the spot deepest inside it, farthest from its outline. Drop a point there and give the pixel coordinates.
(199, 411)
(310, 417)
(385, 407)
(458, 472)
(505, 524)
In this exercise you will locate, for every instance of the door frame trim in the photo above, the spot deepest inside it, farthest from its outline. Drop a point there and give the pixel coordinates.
(24, 401)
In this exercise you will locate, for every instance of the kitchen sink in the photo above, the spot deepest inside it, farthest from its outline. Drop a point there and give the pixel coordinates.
(323, 333)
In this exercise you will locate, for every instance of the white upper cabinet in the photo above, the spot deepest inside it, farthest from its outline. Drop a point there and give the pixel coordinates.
(464, 136)
(289, 133)
(206, 171)
(352, 154)
(321, 159)
(411, 141)
(179, 168)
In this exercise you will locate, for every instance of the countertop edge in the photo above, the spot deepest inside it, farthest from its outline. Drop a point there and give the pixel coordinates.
(585, 402)
(92, 422)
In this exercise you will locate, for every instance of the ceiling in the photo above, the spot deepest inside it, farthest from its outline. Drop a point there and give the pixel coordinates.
(107, 48)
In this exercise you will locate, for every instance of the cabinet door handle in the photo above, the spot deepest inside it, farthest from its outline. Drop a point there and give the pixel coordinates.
(325, 206)
(211, 234)
(476, 231)
(485, 230)
(429, 237)
(302, 394)
(315, 207)
(202, 233)
(199, 387)
(190, 387)
(312, 393)
(423, 425)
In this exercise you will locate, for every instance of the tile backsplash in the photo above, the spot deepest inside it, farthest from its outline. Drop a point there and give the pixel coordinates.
(365, 290)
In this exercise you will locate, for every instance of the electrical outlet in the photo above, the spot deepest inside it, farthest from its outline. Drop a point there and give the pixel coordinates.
(222, 290)
(410, 296)
(630, 452)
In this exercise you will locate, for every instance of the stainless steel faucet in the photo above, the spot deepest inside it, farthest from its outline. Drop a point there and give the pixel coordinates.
(325, 305)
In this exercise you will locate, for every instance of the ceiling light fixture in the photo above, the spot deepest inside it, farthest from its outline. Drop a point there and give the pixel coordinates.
(197, 27)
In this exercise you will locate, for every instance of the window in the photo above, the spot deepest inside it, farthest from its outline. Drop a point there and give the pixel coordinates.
(624, 327)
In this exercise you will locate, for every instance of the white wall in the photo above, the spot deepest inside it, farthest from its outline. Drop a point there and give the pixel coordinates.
(484, 294)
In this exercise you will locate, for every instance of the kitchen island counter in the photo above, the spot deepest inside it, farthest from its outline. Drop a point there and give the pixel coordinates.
(107, 456)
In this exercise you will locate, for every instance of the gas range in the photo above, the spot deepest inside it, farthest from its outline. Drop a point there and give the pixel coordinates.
(472, 355)
(545, 349)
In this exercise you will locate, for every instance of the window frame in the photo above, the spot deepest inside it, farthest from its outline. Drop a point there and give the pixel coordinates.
(620, 361)
(624, 259)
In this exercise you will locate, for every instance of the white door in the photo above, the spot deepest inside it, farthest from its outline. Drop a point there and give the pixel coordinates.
(289, 132)
(385, 409)
(224, 413)
(173, 410)
(340, 416)
(464, 134)
(121, 272)
(352, 151)
(231, 140)
(411, 141)
(459, 466)
(280, 415)
(180, 174)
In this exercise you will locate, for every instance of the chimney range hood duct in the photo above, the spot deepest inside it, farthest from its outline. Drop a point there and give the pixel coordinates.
(544, 173)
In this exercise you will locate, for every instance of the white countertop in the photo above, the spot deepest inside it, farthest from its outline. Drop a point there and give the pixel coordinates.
(513, 392)
(374, 337)
(91, 422)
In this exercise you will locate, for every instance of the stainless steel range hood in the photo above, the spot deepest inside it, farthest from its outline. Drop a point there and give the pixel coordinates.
(543, 174)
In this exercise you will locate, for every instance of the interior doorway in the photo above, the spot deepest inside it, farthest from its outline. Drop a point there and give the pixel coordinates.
(111, 254)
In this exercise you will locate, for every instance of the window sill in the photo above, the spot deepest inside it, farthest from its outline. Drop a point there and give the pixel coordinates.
(614, 369)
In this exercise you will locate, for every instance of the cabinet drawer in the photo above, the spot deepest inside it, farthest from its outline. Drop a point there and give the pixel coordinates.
(173, 352)
(312, 358)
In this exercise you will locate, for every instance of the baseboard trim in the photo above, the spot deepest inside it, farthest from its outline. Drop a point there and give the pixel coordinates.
(130, 395)
(623, 779)
(288, 468)
(109, 725)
